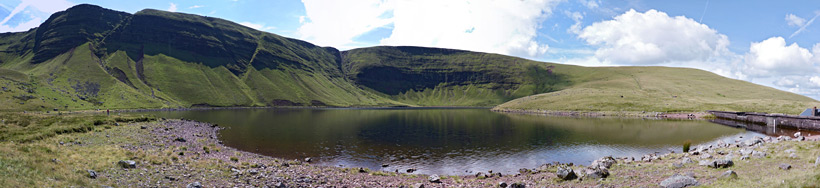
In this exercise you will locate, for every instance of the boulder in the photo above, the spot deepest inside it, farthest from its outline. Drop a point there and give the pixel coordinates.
(724, 163)
(604, 162)
(706, 156)
(502, 184)
(785, 166)
(434, 179)
(127, 164)
(678, 181)
(596, 173)
(565, 173)
(194, 185)
(729, 174)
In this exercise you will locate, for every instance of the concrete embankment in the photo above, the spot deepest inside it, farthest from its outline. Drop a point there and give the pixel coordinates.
(772, 120)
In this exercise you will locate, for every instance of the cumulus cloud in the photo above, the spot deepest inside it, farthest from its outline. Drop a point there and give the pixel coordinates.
(773, 57)
(653, 37)
(172, 7)
(337, 23)
(506, 27)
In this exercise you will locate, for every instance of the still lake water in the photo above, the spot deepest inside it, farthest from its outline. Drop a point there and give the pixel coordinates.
(448, 141)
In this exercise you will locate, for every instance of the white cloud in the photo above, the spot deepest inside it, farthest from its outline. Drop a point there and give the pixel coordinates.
(794, 20)
(653, 37)
(337, 23)
(786, 82)
(44, 7)
(195, 6)
(506, 27)
(803, 26)
(576, 17)
(815, 81)
(773, 57)
(257, 26)
(172, 7)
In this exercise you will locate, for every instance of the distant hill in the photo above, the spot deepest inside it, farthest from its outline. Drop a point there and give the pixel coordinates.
(89, 57)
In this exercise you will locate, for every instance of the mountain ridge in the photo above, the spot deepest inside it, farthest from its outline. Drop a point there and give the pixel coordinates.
(89, 57)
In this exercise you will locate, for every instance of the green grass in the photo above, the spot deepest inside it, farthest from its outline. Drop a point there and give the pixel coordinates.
(661, 89)
(190, 60)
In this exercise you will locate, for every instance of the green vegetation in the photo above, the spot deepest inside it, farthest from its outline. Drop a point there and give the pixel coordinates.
(88, 57)
(686, 145)
(660, 89)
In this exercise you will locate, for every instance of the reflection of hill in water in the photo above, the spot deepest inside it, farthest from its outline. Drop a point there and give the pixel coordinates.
(308, 132)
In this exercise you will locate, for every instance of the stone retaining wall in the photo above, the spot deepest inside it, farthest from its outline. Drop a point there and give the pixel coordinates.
(772, 120)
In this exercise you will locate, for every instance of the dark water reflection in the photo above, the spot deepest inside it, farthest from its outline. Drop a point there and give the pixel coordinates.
(447, 141)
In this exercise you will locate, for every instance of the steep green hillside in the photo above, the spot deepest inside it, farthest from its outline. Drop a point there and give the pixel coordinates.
(661, 89)
(89, 57)
(446, 77)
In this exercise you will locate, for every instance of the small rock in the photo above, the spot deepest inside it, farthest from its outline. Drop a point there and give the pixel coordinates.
(253, 171)
(127, 164)
(678, 181)
(308, 159)
(729, 174)
(279, 185)
(480, 175)
(565, 173)
(385, 165)
(517, 185)
(143, 127)
(757, 154)
(797, 134)
(789, 151)
(92, 174)
(706, 156)
(179, 139)
(686, 160)
(800, 138)
(502, 184)
(411, 170)
(362, 170)
(434, 179)
(785, 166)
(677, 165)
(705, 163)
(55, 160)
(745, 157)
(793, 155)
(817, 161)
(194, 185)
(171, 178)
(524, 171)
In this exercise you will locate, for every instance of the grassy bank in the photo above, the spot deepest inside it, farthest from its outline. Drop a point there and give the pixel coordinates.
(48, 150)
(661, 89)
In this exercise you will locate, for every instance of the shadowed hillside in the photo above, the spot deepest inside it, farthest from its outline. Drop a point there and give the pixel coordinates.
(89, 57)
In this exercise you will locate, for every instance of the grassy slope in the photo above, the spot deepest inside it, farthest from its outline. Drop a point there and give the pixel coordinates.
(253, 68)
(444, 77)
(661, 89)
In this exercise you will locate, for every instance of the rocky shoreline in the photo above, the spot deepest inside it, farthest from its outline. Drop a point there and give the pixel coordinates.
(179, 153)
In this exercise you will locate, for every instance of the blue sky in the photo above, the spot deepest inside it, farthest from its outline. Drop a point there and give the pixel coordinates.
(773, 43)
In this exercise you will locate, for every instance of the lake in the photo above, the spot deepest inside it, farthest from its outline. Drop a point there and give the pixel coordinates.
(448, 141)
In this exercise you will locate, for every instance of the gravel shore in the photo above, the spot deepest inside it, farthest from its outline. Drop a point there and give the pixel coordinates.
(179, 153)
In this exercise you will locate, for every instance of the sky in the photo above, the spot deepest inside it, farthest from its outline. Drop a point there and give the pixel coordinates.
(772, 43)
